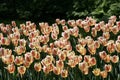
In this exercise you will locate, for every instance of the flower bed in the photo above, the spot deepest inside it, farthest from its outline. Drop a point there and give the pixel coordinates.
(70, 50)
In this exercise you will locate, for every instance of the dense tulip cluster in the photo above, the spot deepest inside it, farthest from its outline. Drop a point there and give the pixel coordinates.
(61, 46)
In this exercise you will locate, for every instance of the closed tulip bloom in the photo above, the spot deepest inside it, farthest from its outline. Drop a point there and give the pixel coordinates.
(60, 64)
(87, 58)
(62, 56)
(20, 49)
(21, 70)
(117, 45)
(111, 47)
(102, 55)
(13, 23)
(92, 61)
(26, 64)
(86, 71)
(103, 74)
(87, 28)
(65, 28)
(37, 56)
(113, 18)
(106, 35)
(63, 22)
(58, 21)
(22, 42)
(97, 44)
(64, 73)
(108, 67)
(82, 42)
(107, 59)
(37, 67)
(11, 68)
(83, 66)
(92, 49)
(115, 30)
(46, 70)
(114, 59)
(118, 24)
(19, 60)
(78, 22)
(96, 71)
(28, 57)
(94, 32)
(71, 63)
(98, 27)
(56, 70)
(65, 35)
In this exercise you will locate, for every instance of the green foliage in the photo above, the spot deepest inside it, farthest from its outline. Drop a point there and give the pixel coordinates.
(49, 10)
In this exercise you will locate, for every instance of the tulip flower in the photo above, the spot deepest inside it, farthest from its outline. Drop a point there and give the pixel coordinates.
(103, 74)
(108, 67)
(21, 70)
(10, 68)
(56, 70)
(96, 71)
(37, 67)
(114, 59)
(64, 73)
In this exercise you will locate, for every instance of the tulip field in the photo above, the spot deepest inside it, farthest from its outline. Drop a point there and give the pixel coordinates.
(83, 49)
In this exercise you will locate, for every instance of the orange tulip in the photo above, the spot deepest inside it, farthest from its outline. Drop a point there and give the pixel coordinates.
(96, 71)
(111, 46)
(107, 59)
(92, 49)
(37, 67)
(117, 45)
(102, 55)
(19, 60)
(64, 73)
(60, 64)
(92, 61)
(106, 35)
(56, 70)
(21, 70)
(46, 70)
(104, 74)
(62, 56)
(94, 32)
(81, 49)
(28, 57)
(114, 59)
(108, 67)
(11, 68)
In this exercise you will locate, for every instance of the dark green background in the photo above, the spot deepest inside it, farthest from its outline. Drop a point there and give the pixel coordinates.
(49, 10)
